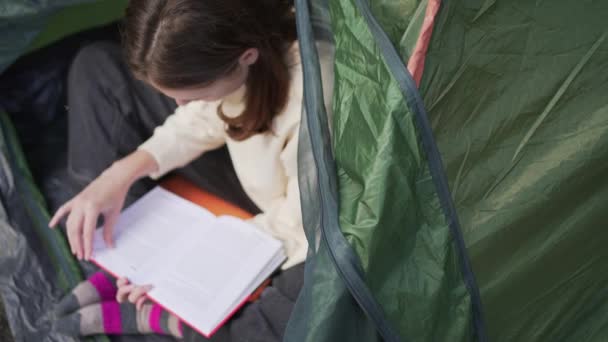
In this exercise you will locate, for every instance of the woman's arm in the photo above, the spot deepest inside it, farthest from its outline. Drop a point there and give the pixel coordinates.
(136, 165)
(185, 135)
(193, 129)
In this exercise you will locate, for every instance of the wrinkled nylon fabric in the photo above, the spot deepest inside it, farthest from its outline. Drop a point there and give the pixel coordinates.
(516, 91)
(318, 178)
(389, 208)
(37, 266)
(408, 85)
(324, 306)
(23, 24)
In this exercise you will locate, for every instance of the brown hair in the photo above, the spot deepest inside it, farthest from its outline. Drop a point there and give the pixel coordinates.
(190, 43)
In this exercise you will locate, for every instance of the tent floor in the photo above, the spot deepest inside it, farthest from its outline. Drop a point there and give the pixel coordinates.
(5, 332)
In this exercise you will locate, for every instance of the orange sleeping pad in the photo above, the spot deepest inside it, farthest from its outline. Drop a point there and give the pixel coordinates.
(192, 193)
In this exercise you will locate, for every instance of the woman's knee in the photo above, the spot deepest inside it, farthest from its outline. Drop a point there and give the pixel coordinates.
(97, 63)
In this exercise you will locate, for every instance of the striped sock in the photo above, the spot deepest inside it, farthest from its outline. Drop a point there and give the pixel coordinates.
(113, 318)
(97, 288)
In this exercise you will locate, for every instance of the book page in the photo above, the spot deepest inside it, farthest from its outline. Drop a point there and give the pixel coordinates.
(145, 231)
(217, 269)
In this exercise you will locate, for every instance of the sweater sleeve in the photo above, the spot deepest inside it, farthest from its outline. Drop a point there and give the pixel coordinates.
(193, 129)
(283, 217)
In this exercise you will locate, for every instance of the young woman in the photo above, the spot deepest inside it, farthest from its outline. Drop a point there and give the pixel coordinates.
(232, 69)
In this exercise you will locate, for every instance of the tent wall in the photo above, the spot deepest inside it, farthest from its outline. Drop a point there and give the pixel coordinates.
(27, 25)
(517, 95)
(392, 209)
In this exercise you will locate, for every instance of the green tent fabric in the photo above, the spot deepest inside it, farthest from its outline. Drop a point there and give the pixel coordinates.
(37, 258)
(30, 25)
(389, 210)
(515, 93)
(471, 207)
(37, 266)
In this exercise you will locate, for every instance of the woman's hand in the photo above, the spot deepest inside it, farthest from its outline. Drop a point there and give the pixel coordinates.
(133, 293)
(104, 196)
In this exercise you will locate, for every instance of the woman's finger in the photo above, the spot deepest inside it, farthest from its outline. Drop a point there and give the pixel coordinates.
(123, 292)
(122, 281)
(108, 227)
(74, 229)
(90, 221)
(140, 302)
(138, 292)
(61, 212)
(70, 236)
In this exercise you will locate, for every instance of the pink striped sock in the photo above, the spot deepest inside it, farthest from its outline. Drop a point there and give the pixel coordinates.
(163, 322)
(104, 286)
(111, 314)
(97, 288)
(113, 318)
(155, 315)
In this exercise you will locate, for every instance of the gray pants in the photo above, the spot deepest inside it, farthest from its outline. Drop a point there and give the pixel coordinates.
(110, 114)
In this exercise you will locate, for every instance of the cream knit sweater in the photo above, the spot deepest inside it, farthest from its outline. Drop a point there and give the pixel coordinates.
(266, 164)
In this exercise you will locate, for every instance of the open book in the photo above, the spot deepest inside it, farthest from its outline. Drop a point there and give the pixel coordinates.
(203, 268)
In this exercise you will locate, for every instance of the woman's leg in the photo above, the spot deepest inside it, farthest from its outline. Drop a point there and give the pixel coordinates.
(111, 114)
(91, 309)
